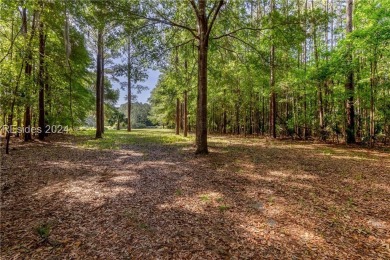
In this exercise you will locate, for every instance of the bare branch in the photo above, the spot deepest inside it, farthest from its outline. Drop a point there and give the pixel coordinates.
(192, 2)
(191, 30)
(212, 10)
(181, 44)
(250, 46)
(241, 29)
(167, 21)
(10, 48)
(220, 4)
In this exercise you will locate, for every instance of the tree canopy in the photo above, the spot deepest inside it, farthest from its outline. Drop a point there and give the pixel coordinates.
(304, 69)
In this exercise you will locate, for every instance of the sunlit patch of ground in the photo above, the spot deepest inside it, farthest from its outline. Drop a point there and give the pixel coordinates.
(146, 195)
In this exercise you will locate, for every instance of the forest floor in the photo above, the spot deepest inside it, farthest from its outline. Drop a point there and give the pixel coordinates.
(146, 195)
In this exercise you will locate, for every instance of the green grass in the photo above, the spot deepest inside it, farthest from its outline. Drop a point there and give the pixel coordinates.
(143, 226)
(204, 198)
(327, 151)
(114, 139)
(223, 208)
(43, 231)
(219, 200)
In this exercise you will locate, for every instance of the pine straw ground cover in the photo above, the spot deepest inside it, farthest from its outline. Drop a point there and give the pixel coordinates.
(145, 195)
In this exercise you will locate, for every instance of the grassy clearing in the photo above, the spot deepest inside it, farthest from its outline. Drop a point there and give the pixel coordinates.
(114, 139)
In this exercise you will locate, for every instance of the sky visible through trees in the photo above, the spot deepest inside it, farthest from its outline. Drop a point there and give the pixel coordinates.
(151, 83)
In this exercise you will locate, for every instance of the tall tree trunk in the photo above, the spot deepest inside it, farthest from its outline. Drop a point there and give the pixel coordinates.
(272, 108)
(98, 85)
(27, 123)
(320, 107)
(102, 86)
(320, 113)
(28, 72)
(129, 86)
(304, 84)
(10, 118)
(177, 124)
(256, 115)
(224, 114)
(349, 85)
(41, 80)
(224, 121)
(201, 118)
(204, 30)
(263, 116)
(182, 116)
(372, 111)
(4, 123)
(237, 119)
(18, 121)
(70, 96)
(185, 114)
(47, 92)
(68, 51)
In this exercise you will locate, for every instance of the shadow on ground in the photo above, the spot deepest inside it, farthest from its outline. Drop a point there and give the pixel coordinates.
(154, 199)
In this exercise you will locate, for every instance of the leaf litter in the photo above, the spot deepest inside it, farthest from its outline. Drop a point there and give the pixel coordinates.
(246, 200)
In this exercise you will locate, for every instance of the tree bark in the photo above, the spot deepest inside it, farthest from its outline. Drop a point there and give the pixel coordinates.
(68, 51)
(18, 121)
(98, 85)
(201, 118)
(182, 116)
(102, 86)
(28, 72)
(272, 108)
(320, 106)
(41, 80)
(304, 84)
(129, 86)
(177, 124)
(349, 85)
(372, 111)
(238, 127)
(185, 114)
(224, 122)
(10, 118)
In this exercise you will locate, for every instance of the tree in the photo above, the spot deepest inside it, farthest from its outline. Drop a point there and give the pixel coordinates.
(41, 79)
(272, 110)
(204, 24)
(33, 77)
(117, 118)
(99, 85)
(232, 65)
(349, 85)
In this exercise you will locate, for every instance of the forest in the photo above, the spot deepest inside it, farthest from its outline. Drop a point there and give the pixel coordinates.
(266, 136)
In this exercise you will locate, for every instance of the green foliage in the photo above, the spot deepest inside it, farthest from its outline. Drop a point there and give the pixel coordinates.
(311, 51)
(139, 114)
(312, 60)
(67, 82)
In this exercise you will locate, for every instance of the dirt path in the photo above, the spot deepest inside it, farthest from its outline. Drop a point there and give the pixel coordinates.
(250, 199)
